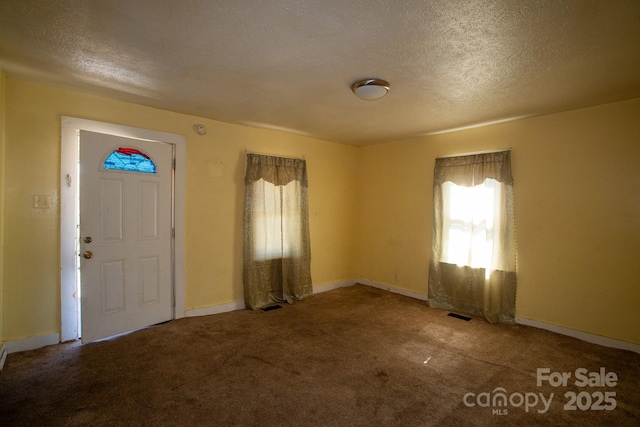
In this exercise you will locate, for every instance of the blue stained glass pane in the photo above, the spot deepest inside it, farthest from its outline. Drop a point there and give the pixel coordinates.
(129, 159)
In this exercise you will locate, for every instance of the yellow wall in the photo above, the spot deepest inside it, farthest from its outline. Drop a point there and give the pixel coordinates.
(577, 200)
(576, 189)
(214, 200)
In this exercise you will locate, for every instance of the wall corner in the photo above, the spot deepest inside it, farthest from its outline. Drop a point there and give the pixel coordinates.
(2, 193)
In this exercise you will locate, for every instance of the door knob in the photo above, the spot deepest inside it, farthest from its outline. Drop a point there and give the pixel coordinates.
(88, 254)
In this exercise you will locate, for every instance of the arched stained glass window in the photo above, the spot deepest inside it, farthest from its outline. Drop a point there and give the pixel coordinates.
(130, 159)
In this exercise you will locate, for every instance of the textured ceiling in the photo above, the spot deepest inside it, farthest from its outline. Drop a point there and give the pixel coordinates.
(289, 64)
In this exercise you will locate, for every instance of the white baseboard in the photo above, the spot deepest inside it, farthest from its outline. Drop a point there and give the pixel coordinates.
(393, 289)
(584, 336)
(3, 355)
(215, 309)
(31, 343)
(239, 305)
(326, 287)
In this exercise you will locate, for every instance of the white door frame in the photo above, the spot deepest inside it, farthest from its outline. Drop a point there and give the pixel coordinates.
(71, 127)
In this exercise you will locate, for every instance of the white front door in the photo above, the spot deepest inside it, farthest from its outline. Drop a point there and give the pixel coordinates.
(126, 246)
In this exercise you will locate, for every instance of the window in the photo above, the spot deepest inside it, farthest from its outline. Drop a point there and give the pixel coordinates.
(473, 251)
(276, 248)
(276, 229)
(129, 159)
(470, 215)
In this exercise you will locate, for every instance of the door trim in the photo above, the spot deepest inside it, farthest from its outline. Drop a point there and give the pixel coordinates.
(70, 129)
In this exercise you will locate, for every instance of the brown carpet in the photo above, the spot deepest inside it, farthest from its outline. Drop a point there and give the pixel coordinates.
(354, 356)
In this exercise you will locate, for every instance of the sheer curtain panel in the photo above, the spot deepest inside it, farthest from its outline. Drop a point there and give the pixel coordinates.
(277, 255)
(473, 254)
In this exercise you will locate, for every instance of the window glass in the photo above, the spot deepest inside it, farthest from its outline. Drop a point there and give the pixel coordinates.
(275, 225)
(470, 218)
(130, 159)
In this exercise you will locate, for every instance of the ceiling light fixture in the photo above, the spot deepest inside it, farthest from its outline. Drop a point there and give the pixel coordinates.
(370, 89)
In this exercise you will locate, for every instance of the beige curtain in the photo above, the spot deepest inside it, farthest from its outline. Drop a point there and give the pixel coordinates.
(473, 263)
(277, 255)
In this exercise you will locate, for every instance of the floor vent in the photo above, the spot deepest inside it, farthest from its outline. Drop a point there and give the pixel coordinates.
(459, 316)
(273, 307)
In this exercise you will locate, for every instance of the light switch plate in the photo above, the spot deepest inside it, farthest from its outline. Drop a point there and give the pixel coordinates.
(42, 202)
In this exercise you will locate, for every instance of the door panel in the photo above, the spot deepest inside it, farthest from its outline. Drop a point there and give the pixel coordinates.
(127, 277)
(112, 201)
(148, 221)
(149, 284)
(112, 286)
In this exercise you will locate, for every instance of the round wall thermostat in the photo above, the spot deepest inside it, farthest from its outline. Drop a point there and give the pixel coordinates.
(200, 129)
